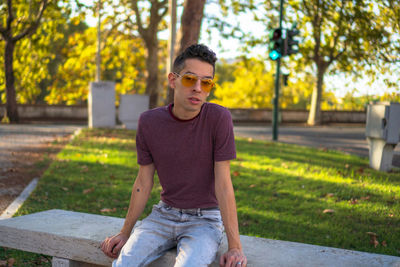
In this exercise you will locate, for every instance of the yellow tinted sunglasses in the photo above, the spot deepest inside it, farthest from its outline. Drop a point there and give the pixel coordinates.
(189, 80)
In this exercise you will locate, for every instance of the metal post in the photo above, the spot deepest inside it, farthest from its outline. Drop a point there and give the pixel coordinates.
(171, 46)
(277, 83)
(172, 34)
(98, 55)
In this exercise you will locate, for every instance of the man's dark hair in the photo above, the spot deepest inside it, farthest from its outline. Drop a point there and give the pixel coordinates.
(197, 51)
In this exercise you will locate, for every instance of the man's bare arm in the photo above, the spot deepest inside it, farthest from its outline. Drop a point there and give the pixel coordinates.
(140, 194)
(227, 204)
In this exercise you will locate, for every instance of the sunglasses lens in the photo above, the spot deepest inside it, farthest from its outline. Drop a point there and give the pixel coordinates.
(207, 85)
(190, 80)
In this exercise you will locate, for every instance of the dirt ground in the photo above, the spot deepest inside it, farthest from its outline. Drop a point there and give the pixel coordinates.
(25, 164)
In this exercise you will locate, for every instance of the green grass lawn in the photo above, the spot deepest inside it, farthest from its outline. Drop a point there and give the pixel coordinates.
(283, 191)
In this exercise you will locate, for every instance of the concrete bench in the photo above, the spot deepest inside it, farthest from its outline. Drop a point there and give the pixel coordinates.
(73, 239)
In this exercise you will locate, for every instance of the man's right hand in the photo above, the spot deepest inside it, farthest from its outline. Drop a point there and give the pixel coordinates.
(111, 246)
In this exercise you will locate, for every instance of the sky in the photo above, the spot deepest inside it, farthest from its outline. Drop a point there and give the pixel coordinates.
(230, 49)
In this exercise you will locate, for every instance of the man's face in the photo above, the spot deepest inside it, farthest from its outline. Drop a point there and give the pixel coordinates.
(189, 99)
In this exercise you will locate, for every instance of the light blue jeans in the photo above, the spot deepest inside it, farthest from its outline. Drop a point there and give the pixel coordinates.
(197, 235)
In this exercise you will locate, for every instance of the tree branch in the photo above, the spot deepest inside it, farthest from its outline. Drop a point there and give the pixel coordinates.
(32, 28)
(164, 3)
(338, 33)
(141, 29)
(108, 33)
(10, 15)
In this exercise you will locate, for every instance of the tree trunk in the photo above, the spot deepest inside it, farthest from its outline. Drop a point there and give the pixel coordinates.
(189, 31)
(11, 106)
(152, 73)
(315, 114)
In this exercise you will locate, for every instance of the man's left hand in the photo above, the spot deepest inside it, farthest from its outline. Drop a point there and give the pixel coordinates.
(233, 258)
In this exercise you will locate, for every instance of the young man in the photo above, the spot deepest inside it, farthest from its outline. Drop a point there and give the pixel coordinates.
(190, 143)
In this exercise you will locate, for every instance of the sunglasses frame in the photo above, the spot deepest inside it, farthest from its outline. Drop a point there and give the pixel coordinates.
(202, 86)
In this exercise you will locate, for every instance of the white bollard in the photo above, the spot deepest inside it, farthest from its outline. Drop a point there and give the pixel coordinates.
(130, 108)
(101, 104)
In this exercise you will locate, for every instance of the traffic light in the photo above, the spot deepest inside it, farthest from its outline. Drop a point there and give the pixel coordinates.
(291, 45)
(285, 78)
(275, 44)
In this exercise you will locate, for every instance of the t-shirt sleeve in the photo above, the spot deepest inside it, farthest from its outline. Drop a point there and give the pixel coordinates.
(143, 152)
(224, 148)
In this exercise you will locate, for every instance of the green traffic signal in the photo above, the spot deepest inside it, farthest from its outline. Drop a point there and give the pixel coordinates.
(274, 55)
(276, 44)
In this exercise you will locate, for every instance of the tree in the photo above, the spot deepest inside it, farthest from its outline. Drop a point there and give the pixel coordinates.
(37, 56)
(158, 9)
(189, 31)
(344, 37)
(191, 19)
(13, 30)
(390, 14)
(251, 88)
(123, 63)
(249, 83)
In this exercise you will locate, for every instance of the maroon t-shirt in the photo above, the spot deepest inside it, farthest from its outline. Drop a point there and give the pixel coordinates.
(184, 151)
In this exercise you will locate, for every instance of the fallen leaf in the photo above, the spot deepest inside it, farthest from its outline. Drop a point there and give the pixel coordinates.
(330, 195)
(328, 211)
(236, 173)
(365, 198)
(353, 201)
(108, 210)
(347, 166)
(64, 188)
(89, 190)
(284, 165)
(360, 170)
(373, 239)
(252, 185)
(391, 215)
(245, 223)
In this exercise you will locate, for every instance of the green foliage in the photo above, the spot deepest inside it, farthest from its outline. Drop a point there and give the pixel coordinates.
(32, 53)
(284, 191)
(281, 191)
(247, 83)
(123, 62)
(252, 87)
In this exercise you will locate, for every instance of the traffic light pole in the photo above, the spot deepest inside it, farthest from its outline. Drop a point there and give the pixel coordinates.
(277, 83)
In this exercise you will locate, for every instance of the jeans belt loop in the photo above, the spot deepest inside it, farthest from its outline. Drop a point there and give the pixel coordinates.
(199, 212)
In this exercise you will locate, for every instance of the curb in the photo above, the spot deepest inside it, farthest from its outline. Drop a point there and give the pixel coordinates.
(17, 203)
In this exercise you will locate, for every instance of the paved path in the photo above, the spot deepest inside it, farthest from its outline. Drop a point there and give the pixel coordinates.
(15, 137)
(348, 138)
(20, 146)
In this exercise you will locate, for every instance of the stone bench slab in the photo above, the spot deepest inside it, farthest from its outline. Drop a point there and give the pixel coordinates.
(77, 236)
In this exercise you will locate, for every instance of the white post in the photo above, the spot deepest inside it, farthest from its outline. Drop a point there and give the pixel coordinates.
(101, 104)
